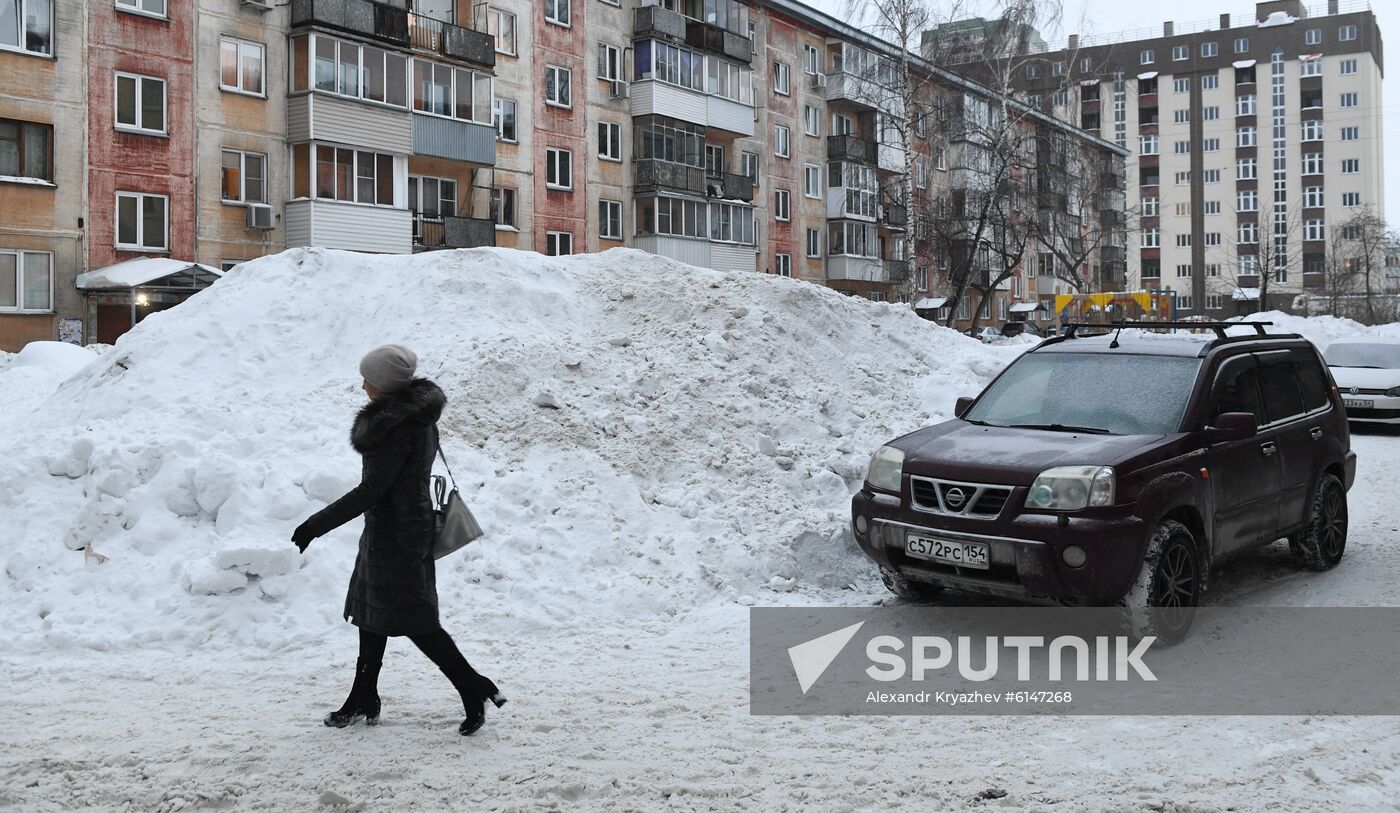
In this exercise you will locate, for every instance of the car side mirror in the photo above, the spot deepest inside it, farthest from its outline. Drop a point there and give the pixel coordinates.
(1232, 426)
(962, 405)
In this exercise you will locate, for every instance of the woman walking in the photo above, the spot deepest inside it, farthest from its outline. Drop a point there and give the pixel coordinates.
(393, 590)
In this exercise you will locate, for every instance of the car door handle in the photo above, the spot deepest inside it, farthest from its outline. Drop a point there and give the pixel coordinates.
(1268, 448)
(1316, 433)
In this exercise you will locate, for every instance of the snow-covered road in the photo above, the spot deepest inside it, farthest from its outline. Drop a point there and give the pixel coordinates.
(654, 716)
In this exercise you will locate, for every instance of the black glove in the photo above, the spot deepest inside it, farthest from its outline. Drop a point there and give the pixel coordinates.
(303, 535)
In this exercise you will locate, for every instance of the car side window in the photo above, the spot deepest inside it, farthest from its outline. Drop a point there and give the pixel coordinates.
(1314, 387)
(1281, 392)
(1237, 390)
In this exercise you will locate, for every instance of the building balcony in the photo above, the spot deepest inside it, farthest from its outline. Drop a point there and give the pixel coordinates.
(699, 252)
(731, 186)
(843, 203)
(858, 91)
(712, 38)
(386, 22)
(453, 232)
(651, 175)
(848, 268)
(654, 21)
(894, 216)
(350, 226)
(455, 139)
(451, 41)
(897, 272)
(889, 157)
(326, 117)
(650, 97)
(850, 148)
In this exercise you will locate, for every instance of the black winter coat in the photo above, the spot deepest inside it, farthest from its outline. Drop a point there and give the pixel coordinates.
(393, 590)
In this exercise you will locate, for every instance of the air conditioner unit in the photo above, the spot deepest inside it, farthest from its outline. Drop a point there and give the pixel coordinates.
(620, 89)
(259, 216)
(818, 80)
(260, 5)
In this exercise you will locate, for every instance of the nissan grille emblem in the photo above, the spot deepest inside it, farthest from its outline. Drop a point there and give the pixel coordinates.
(1355, 390)
(954, 497)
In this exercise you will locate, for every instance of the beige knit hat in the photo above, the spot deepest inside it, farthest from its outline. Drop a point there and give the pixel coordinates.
(389, 368)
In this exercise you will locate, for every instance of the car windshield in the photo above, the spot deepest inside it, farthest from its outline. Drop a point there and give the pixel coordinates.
(1090, 392)
(1363, 354)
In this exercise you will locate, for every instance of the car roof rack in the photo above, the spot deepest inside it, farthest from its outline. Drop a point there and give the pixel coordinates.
(1072, 328)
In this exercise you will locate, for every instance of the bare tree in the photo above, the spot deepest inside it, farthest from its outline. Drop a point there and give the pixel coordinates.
(1339, 271)
(1259, 255)
(1367, 233)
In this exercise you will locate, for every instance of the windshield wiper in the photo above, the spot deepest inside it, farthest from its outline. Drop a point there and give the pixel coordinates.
(1060, 427)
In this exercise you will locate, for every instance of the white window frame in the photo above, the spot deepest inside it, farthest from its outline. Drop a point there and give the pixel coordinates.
(1347, 67)
(140, 197)
(559, 73)
(814, 243)
(604, 220)
(554, 240)
(811, 59)
(809, 172)
(19, 306)
(559, 12)
(1346, 33)
(1312, 197)
(137, 7)
(415, 198)
(1212, 207)
(606, 141)
(1210, 49)
(1311, 130)
(1147, 56)
(1315, 229)
(811, 121)
(782, 205)
(1151, 237)
(1247, 136)
(1181, 85)
(1354, 163)
(499, 208)
(782, 265)
(1210, 81)
(1181, 53)
(782, 78)
(240, 46)
(1312, 36)
(498, 116)
(242, 198)
(782, 141)
(140, 82)
(496, 18)
(1247, 200)
(1312, 163)
(553, 166)
(1149, 144)
(609, 62)
(1351, 200)
(22, 30)
(1241, 45)
(1350, 99)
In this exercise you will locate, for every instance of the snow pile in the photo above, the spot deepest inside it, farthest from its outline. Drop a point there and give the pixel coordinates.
(637, 437)
(1320, 330)
(31, 375)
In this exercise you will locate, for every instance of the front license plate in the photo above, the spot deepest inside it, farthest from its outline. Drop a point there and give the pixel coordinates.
(975, 555)
(1352, 403)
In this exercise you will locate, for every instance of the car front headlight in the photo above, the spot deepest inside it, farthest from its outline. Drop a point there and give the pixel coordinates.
(1393, 392)
(1071, 488)
(886, 469)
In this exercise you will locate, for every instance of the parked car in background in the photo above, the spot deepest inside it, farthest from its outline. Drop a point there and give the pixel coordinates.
(985, 335)
(1011, 329)
(1367, 372)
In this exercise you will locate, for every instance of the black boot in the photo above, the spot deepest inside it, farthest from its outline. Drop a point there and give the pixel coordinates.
(363, 700)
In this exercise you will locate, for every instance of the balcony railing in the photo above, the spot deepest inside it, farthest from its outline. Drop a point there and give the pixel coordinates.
(702, 35)
(649, 174)
(736, 187)
(453, 232)
(451, 41)
(894, 216)
(897, 271)
(386, 22)
(850, 148)
(651, 21)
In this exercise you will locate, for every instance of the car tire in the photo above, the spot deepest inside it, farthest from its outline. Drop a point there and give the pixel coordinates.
(1163, 599)
(1320, 546)
(907, 589)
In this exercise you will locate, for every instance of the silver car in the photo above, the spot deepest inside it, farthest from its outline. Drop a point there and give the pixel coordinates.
(1367, 372)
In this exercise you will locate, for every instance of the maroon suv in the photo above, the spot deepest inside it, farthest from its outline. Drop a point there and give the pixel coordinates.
(1116, 469)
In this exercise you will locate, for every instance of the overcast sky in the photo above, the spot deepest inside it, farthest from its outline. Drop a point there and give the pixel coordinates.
(1103, 17)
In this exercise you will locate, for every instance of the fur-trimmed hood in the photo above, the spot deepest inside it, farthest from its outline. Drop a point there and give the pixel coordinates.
(421, 401)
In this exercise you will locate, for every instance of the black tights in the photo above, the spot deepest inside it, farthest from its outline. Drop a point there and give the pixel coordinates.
(442, 651)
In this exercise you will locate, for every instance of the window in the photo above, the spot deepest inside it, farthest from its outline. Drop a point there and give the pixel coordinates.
(1214, 302)
(240, 66)
(1149, 206)
(849, 238)
(558, 12)
(1146, 57)
(1183, 177)
(1312, 197)
(1209, 49)
(558, 243)
(1348, 67)
(1213, 269)
(1349, 99)
(782, 141)
(1313, 36)
(1181, 53)
(1060, 99)
(559, 169)
(1211, 176)
(26, 281)
(441, 90)
(1181, 85)
(140, 103)
(1312, 130)
(814, 243)
(1312, 163)
(1351, 199)
(609, 62)
(1147, 144)
(26, 150)
(1183, 210)
(503, 112)
(141, 221)
(782, 205)
(1244, 76)
(1350, 166)
(558, 82)
(782, 264)
(812, 181)
(1183, 302)
(731, 223)
(782, 78)
(1183, 241)
(244, 177)
(1246, 105)
(154, 8)
(431, 198)
(1032, 70)
(610, 219)
(610, 140)
(1246, 136)
(1212, 238)
(811, 59)
(1210, 113)
(1242, 45)
(811, 121)
(1212, 207)
(1152, 237)
(1210, 81)
(1183, 271)
(1086, 65)
(1182, 116)
(1247, 169)
(1351, 232)
(748, 166)
(503, 207)
(1182, 147)
(1247, 200)
(344, 174)
(26, 26)
(1210, 145)
(501, 26)
(1310, 67)
(920, 174)
(1346, 33)
(1248, 233)
(1314, 229)
(1249, 264)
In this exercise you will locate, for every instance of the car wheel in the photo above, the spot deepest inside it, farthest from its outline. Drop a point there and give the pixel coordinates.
(1163, 599)
(1320, 546)
(908, 590)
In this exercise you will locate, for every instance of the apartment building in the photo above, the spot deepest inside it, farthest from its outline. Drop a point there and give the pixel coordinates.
(1252, 142)
(732, 135)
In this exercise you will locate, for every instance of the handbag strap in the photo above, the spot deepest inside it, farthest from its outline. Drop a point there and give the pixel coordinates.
(437, 442)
